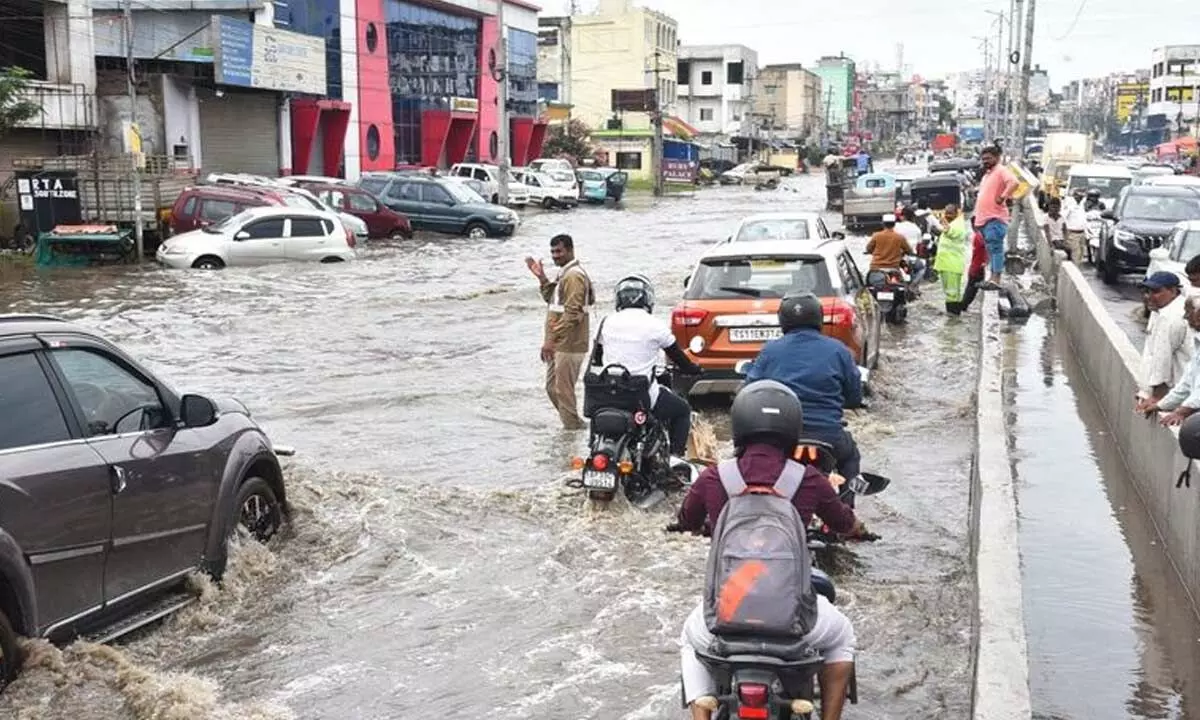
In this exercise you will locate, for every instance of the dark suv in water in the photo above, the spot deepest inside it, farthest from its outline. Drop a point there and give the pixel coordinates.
(440, 205)
(113, 487)
(1141, 221)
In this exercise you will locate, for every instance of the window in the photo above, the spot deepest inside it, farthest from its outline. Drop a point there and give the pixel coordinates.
(431, 193)
(1185, 245)
(683, 72)
(851, 280)
(308, 227)
(372, 140)
(706, 77)
(113, 399)
(214, 210)
(706, 114)
(373, 184)
(404, 191)
(629, 161)
(372, 38)
(334, 198)
(758, 277)
(735, 72)
(265, 229)
(481, 175)
(775, 230)
(189, 207)
(29, 412)
(493, 145)
(361, 202)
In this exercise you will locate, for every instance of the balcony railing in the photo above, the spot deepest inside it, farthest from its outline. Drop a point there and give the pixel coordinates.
(64, 107)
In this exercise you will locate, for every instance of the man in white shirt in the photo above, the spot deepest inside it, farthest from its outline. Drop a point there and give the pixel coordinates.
(633, 338)
(1168, 349)
(1076, 234)
(911, 231)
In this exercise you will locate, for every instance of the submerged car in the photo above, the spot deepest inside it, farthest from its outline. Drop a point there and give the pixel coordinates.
(731, 299)
(598, 185)
(115, 487)
(441, 205)
(783, 226)
(259, 236)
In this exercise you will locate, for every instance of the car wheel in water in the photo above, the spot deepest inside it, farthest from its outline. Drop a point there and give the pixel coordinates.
(258, 511)
(398, 235)
(477, 231)
(208, 262)
(332, 260)
(1109, 273)
(548, 203)
(10, 653)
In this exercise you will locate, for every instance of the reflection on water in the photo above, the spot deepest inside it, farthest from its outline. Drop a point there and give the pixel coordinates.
(1111, 633)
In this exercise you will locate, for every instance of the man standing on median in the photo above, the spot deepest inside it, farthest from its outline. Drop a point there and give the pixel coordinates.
(991, 209)
(1184, 398)
(1168, 348)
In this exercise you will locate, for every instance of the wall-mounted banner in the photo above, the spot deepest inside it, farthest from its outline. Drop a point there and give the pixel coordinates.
(266, 58)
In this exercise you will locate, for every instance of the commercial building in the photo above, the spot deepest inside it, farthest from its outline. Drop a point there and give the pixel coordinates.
(787, 99)
(838, 74)
(619, 47)
(1174, 88)
(554, 66)
(715, 87)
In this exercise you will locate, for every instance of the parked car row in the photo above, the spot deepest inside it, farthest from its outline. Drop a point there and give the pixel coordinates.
(1139, 229)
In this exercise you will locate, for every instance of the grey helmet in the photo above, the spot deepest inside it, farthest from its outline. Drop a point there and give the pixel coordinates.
(635, 291)
(800, 309)
(766, 410)
(1189, 437)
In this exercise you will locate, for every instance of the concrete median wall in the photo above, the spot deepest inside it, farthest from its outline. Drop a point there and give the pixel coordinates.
(1110, 362)
(999, 653)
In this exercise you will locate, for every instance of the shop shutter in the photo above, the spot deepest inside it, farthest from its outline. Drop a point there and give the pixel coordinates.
(239, 133)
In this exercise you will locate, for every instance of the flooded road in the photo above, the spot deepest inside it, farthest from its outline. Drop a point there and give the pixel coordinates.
(438, 564)
(1111, 631)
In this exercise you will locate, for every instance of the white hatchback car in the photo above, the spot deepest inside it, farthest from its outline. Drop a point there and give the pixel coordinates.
(783, 226)
(261, 235)
(549, 191)
(1181, 245)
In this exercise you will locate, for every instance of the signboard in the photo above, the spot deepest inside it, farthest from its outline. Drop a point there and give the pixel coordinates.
(642, 100)
(680, 171)
(1128, 96)
(266, 58)
(47, 198)
(459, 104)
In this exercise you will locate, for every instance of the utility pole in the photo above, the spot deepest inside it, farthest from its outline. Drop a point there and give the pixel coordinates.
(1026, 71)
(987, 88)
(502, 136)
(1013, 60)
(656, 154)
(997, 115)
(139, 228)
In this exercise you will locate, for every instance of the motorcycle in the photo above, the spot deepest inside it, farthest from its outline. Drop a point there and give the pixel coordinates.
(1095, 226)
(628, 449)
(753, 685)
(890, 288)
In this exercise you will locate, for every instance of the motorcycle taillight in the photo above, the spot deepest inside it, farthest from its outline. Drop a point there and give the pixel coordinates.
(752, 701)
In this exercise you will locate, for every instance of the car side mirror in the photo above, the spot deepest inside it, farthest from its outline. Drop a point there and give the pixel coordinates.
(838, 235)
(196, 411)
(242, 235)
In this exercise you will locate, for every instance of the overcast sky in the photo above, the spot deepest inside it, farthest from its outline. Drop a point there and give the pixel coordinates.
(1072, 39)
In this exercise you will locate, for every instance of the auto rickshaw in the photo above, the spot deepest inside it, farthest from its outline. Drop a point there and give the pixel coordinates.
(837, 179)
(941, 190)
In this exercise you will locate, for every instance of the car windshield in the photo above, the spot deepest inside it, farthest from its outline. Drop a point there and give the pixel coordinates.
(230, 222)
(560, 176)
(1109, 187)
(374, 186)
(1186, 244)
(590, 175)
(462, 193)
(1167, 208)
(297, 200)
(758, 277)
(796, 229)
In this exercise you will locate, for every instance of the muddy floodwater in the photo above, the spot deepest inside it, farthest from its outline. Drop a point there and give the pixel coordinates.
(437, 560)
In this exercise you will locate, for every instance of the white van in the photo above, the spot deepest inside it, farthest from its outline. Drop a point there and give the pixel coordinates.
(489, 175)
(1110, 180)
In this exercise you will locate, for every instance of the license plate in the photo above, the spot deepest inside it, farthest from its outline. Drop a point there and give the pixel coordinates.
(885, 296)
(754, 334)
(599, 480)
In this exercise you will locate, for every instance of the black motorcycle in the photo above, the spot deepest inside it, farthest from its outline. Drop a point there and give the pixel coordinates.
(628, 449)
(890, 288)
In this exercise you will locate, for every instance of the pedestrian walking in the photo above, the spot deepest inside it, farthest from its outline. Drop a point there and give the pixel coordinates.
(954, 247)
(569, 298)
(991, 209)
(1076, 217)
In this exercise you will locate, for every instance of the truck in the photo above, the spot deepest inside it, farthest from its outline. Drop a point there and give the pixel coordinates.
(1060, 151)
(944, 141)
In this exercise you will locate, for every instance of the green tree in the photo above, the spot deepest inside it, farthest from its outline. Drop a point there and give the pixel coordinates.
(14, 108)
(571, 138)
(945, 112)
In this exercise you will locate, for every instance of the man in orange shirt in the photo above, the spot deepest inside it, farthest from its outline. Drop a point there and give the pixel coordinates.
(991, 208)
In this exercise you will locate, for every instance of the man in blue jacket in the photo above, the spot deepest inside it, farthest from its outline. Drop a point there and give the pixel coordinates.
(820, 370)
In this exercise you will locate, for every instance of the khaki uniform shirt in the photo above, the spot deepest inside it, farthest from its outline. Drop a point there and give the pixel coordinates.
(570, 299)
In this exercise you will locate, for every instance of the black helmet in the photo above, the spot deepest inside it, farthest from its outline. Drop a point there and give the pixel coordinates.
(635, 291)
(801, 309)
(766, 410)
(1093, 193)
(1189, 437)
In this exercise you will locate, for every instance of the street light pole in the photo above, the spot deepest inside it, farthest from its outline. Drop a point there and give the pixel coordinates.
(139, 229)
(502, 135)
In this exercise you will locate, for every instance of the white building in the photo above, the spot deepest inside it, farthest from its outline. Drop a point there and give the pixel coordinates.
(1175, 83)
(714, 92)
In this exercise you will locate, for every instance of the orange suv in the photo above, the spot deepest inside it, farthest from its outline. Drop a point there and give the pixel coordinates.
(731, 299)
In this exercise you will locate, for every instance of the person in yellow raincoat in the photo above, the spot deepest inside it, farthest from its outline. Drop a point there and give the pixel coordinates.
(953, 254)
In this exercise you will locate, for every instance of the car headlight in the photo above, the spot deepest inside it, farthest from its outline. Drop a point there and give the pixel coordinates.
(504, 216)
(173, 250)
(1120, 237)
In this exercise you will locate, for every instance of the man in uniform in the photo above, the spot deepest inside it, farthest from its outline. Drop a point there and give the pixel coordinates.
(567, 334)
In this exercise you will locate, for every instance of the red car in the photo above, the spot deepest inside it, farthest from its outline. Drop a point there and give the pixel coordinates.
(381, 220)
(202, 205)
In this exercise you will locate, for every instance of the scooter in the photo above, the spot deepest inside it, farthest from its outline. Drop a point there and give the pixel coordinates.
(890, 288)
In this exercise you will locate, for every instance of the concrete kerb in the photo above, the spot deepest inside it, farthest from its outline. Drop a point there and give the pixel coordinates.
(999, 651)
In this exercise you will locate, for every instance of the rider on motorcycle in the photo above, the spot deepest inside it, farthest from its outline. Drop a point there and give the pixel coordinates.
(763, 442)
(1093, 201)
(632, 338)
(819, 370)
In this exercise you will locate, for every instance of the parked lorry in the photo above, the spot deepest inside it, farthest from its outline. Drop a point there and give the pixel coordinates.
(1060, 151)
(943, 142)
(106, 189)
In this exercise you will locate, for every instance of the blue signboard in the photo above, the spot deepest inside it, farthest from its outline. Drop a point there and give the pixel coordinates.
(971, 134)
(235, 52)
